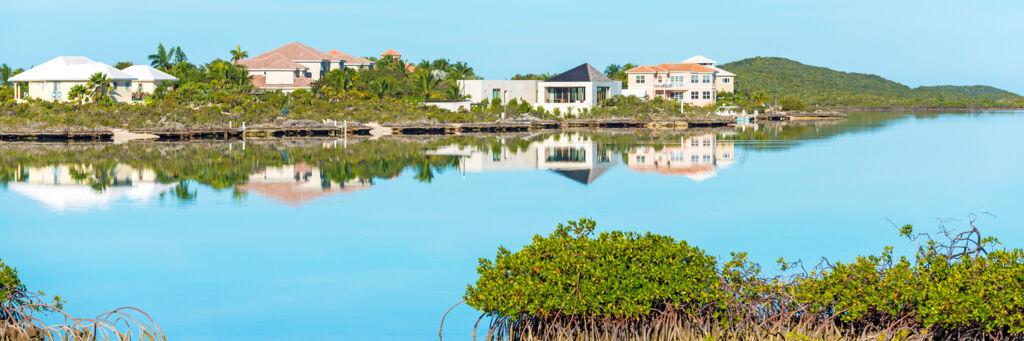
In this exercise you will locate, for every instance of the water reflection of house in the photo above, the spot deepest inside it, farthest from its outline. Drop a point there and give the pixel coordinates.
(575, 157)
(63, 187)
(297, 184)
(698, 158)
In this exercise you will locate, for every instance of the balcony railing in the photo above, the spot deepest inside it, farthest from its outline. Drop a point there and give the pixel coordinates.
(670, 85)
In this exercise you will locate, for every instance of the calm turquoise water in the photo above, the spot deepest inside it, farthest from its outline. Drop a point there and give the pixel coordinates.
(278, 256)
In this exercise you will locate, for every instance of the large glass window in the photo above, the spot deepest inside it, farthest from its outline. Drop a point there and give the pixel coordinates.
(676, 80)
(496, 94)
(566, 154)
(677, 95)
(602, 93)
(566, 95)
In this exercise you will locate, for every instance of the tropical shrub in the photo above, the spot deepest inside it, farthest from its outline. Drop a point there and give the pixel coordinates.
(623, 284)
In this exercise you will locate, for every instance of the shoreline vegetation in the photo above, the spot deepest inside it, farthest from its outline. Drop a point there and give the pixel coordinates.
(575, 285)
(220, 95)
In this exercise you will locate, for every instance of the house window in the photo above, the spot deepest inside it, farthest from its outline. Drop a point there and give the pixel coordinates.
(694, 159)
(694, 142)
(659, 78)
(115, 85)
(677, 95)
(695, 95)
(641, 159)
(707, 78)
(676, 80)
(707, 158)
(707, 143)
(128, 85)
(707, 95)
(602, 93)
(641, 79)
(566, 95)
(694, 79)
(725, 155)
(496, 94)
(566, 154)
(725, 80)
(676, 156)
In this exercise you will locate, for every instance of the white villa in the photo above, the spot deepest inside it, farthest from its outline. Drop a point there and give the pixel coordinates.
(59, 190)
(582, 87)
(296, 66)
(576, 157)
(53, 80)
(695, 81)
(147, 79)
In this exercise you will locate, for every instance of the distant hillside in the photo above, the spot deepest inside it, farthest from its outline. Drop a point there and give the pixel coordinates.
(782, 77)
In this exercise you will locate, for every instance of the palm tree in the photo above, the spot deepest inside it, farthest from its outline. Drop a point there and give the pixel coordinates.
(99, 86)
(78, 93)
(461, 71)
(453, 92)
(237, 54)
(161, 59)
(441, 64)
(5, 73)
(612, 71)
(381, 88)
(425, 83)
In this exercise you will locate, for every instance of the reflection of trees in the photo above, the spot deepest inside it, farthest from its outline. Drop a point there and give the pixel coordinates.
(183, 192)
(434, 163)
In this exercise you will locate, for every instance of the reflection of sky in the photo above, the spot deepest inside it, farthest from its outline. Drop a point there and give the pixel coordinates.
(386, 263)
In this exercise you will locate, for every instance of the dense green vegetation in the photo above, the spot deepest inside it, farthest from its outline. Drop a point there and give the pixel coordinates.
(819, 86)
(623, 284)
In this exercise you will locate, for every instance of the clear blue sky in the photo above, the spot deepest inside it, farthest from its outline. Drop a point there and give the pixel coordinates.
(915, 42)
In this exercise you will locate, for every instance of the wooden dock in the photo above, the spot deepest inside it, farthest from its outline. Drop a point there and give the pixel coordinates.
(419, 128)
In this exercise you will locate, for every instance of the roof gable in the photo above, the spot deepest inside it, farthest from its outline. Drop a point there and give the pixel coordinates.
(667, 67)
(698, 59)
(582, 73)
(148, 73)
(69, 68)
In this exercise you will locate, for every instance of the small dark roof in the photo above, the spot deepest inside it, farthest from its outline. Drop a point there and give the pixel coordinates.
(582, 73)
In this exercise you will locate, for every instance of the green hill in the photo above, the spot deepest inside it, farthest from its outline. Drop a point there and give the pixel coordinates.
(781, 77)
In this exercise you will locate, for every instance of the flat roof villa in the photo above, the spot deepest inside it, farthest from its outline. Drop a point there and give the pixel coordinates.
(579, 88)
(53, 80)
(296, 66)
(695, 81)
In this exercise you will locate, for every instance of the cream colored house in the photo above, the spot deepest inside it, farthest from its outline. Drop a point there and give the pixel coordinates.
(53, 80)
(147, 79)
(297, 184)
(61, 187)
(582, 87)
(296, 66)
(695, 81)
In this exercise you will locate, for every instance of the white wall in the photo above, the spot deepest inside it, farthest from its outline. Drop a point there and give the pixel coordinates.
(479, 89)
(589, 101)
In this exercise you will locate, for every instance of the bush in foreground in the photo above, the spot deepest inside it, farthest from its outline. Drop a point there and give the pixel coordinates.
(625, 285)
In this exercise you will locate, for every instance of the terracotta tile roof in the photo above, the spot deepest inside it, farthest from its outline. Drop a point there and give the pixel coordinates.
(410, 68)
(284, 57)
(296, 51)
(391, 52)
(260, 81)
(349, 59)
(271, 60)
(666, 67)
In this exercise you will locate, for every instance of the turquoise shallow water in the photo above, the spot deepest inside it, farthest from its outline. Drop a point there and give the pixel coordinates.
(278, 255)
